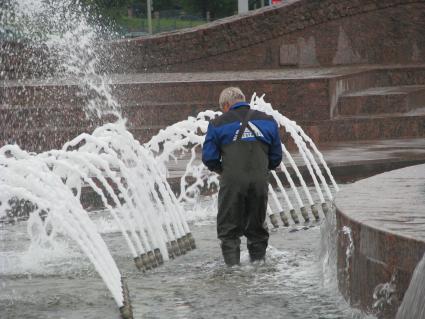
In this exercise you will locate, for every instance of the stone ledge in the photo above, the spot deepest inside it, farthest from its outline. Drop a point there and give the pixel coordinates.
(386, 217)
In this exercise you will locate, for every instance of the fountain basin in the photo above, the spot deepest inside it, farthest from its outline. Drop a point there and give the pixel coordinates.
(385, 238)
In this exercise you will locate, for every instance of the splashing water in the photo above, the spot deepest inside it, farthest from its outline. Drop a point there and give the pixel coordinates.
(62, 43)
(413, 304)
(384, 294)
(350, 248)
(129, 178)
(328, 259)
(68, 44)
(186, 137)
(23, 176)
(126, 178)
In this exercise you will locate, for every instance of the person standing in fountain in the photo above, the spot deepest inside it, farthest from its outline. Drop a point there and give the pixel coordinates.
(242, 145)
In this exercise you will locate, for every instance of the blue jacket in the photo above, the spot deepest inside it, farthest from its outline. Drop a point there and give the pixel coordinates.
(224, 129)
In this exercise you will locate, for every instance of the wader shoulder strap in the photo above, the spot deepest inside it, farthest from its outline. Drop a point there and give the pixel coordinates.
(245, 124)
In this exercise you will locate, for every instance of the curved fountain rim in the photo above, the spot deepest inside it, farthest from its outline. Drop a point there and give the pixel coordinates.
(380, 230)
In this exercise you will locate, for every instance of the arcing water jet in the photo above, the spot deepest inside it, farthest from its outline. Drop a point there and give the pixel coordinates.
(186, 137)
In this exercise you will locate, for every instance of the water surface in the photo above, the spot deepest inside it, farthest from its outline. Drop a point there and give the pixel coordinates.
(61, 283)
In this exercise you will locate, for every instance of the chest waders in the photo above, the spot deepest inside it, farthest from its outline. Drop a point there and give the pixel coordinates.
(242, 199)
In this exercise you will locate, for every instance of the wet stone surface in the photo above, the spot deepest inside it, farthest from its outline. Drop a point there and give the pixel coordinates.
(392, 201)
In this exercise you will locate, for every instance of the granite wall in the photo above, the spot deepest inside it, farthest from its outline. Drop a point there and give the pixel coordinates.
(299, 33)
(381, 239)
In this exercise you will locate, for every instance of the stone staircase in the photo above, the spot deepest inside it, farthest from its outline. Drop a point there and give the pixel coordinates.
(383, 100)
(376, 113)
(331, 104)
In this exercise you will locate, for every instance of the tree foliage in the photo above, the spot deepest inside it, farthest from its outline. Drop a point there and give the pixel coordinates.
(217, 8)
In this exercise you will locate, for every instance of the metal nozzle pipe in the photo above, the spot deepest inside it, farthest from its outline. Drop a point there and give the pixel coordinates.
(315, 212)
(146, 261)
(170, 250)
(325, 208)
(175, 248)
(294, 216)
(273, 220)
(284, 218)
(158, 256)
(304, 214)
(191, 240)
(186, 243)
(126, 310)
(139, 263)
(152, 259)
(181, 246)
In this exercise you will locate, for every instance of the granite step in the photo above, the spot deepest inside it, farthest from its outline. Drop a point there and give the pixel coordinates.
(153, 101)
(140, 114)
(47, 138)
(382, 100)
(367, 127)
(301, 94)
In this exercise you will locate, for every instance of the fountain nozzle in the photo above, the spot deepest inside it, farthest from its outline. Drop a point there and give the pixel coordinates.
(325, 208)
(158, 256)
(180, 243)
(175, 248)
(170, 250)
(139, 262)
(152, 260)
(315, 212)
(191, 240)
(284, 218)
(146, 262)
(126, 310)
(294, 216)
(186, 243)
(273, 220)
(304, 214)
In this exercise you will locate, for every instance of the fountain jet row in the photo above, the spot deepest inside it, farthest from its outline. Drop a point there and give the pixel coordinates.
(130, 185)
(110, 161)
(186, 137)
(26, 177)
